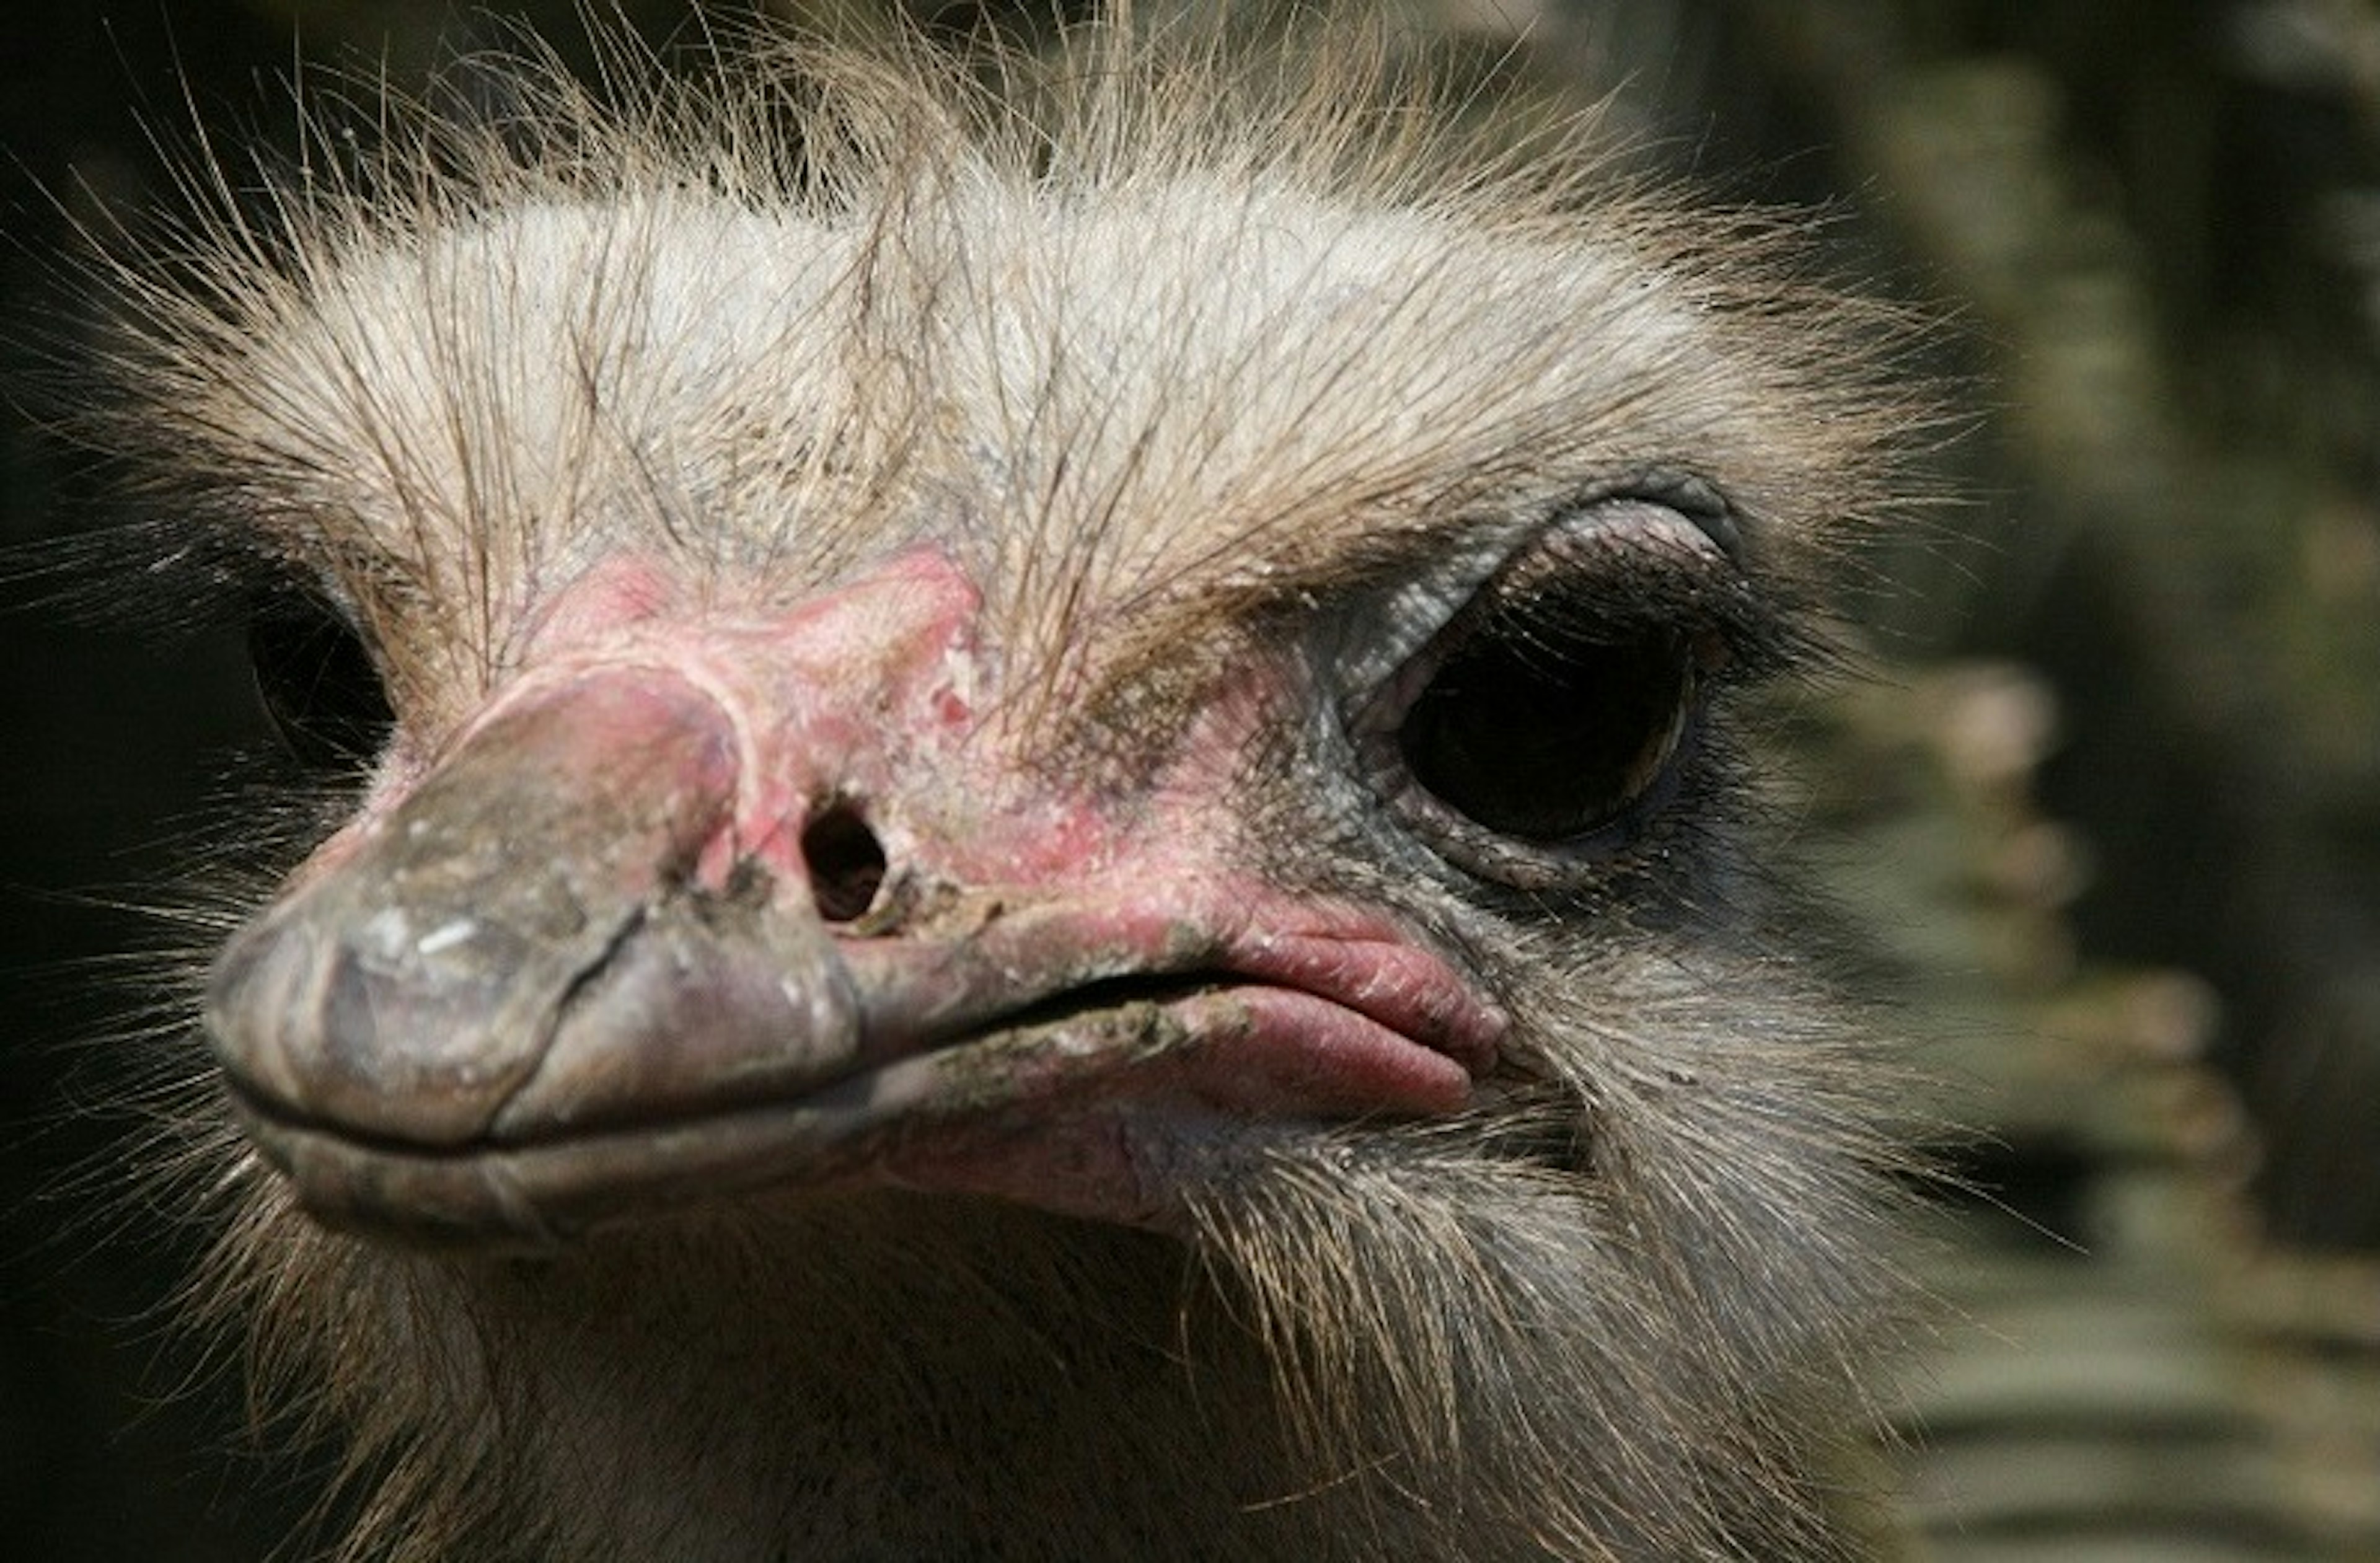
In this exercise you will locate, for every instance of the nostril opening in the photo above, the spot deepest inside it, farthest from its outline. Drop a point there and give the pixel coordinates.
(846, 863)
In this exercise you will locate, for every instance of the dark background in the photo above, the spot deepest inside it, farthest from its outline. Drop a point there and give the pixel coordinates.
(2154, 223)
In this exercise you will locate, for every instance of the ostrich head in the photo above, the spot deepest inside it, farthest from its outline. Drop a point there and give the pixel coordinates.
(1052, 845)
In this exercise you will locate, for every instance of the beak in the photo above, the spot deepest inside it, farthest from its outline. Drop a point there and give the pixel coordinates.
(554, 985)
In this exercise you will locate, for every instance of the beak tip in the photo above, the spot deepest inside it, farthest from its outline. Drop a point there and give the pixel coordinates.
(319, 1020)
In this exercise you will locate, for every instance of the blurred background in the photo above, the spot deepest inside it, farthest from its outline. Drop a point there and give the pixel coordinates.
(2115, 796)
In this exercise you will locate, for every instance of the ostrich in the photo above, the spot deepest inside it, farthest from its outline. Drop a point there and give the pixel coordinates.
(1050, 841)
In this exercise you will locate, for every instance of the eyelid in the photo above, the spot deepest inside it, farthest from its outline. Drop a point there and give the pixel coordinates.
(1627, 537)
(1425, 620)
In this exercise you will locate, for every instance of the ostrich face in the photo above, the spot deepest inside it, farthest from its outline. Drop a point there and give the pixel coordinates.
(1014, 753)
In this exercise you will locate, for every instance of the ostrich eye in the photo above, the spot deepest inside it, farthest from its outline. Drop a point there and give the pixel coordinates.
(1552, 711)
(318, 681)
(1550, 735)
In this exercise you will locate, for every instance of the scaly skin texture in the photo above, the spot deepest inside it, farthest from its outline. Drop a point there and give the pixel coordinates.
(1210, 1128)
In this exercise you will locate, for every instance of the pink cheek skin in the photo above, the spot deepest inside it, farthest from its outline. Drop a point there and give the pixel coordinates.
(1378, 974)
(1322, 1007)
(1371, 967)
(1275, 1051)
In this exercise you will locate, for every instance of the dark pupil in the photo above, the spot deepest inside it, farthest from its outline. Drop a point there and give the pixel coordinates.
(1547, 741)
(318, 684)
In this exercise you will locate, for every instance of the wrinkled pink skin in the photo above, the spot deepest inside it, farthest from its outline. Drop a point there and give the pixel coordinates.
(570, 969)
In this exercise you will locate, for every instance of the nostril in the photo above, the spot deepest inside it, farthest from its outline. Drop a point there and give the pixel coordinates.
(846, 860)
